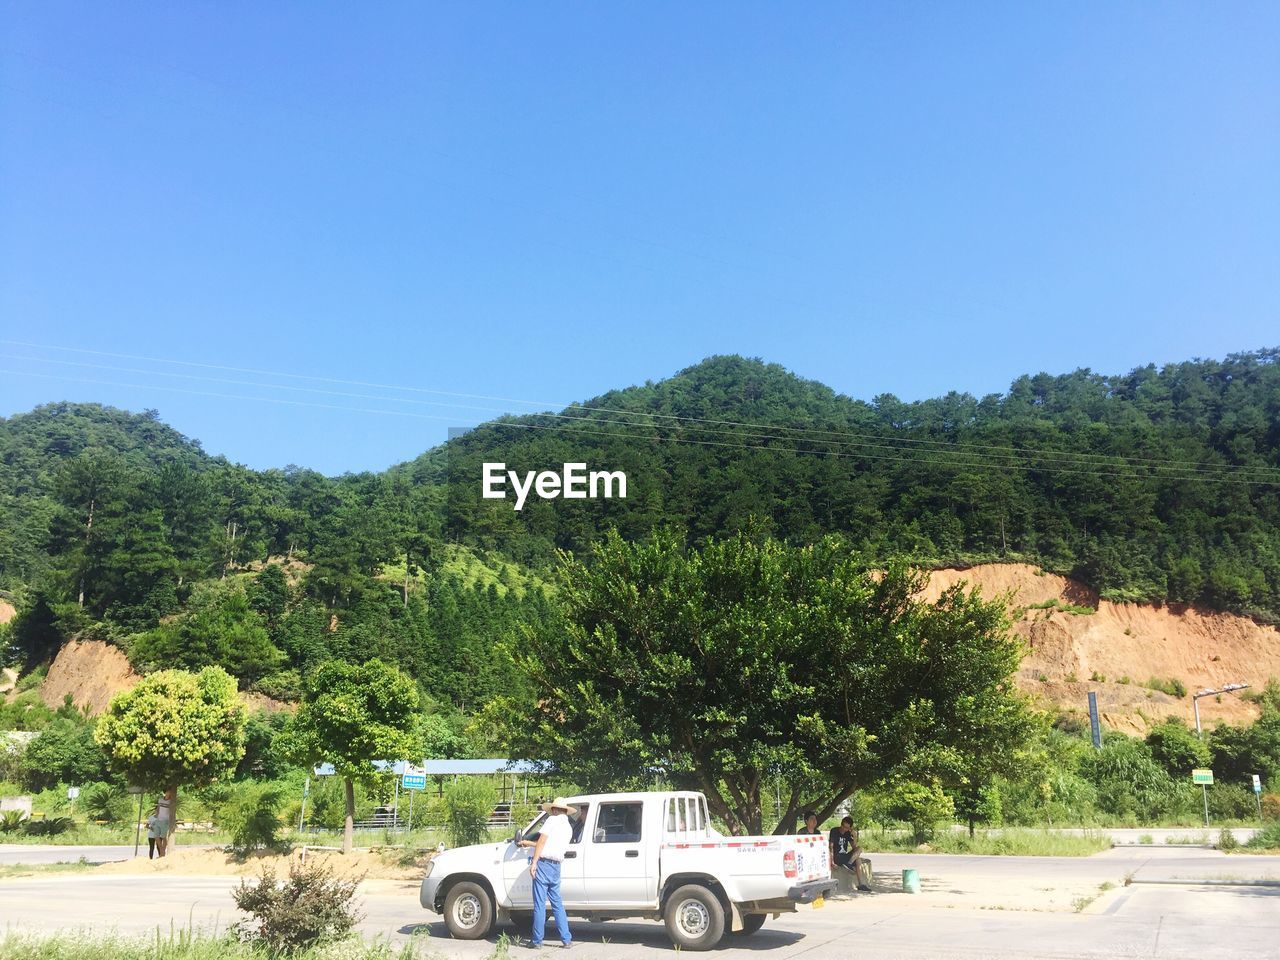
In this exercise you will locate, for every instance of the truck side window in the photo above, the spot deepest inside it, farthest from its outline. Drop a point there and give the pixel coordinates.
(618, 823)
(671, 816)
(579, 822)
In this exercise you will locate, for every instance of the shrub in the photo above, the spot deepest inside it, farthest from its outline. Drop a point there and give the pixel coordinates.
(1271, 806)
(310, 908)
(1231, 801)
(1227, 840)
(1268, 838)
(467, 805)
(1173, 686)
(252, 817)
(49, 827)
(12, 820)
(107, 801)
(922, 805)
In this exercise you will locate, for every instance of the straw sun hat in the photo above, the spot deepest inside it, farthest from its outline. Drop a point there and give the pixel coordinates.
(560, 803)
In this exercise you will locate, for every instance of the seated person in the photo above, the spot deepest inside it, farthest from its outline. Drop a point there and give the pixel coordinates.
(810, 828)
(846, 854)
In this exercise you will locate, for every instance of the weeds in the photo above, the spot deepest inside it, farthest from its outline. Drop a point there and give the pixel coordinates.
(1173, 686)
(187, 945)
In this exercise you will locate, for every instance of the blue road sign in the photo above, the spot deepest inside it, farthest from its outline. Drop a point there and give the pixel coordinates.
(414, 781)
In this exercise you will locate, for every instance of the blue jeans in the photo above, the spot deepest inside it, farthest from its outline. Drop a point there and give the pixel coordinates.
(546, 886)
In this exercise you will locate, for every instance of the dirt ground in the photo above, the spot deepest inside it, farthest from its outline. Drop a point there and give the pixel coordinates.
(205, 862)
(1066, 650)
(91, 671)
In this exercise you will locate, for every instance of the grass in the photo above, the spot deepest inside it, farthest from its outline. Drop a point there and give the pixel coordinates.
(1011, 842)
(1082, 903)
(1173, 686)
(184, 945)
(1057, 603)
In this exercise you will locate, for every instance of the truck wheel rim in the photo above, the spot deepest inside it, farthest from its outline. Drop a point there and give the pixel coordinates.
(466, 910)
(694, 918)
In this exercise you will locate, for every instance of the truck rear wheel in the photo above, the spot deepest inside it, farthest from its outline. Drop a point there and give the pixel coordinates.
(751, 922)
(468, 911)
(694, 918)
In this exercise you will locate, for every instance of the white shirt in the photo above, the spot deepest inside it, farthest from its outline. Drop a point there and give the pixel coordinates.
(556, 834)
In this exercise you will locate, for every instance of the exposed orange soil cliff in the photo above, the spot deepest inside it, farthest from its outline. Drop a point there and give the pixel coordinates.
(7, 612)
(91, 671)
(1201, 648)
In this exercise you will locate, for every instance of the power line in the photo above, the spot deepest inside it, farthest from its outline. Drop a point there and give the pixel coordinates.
(839, 437)
(952, 464)
(885, 443)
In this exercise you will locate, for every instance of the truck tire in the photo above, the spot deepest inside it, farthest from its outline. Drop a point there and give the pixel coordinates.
(694, 918)
(468, 911)
(751, 922)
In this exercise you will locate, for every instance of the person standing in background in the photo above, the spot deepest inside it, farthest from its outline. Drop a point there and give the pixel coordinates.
(152, 818)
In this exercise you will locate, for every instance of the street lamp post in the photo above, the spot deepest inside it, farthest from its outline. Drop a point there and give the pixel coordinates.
(1195, 706)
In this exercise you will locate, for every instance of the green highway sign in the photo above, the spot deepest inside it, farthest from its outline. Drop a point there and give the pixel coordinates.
(1202, 776)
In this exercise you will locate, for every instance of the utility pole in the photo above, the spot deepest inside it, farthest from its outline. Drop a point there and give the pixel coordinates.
(1195, 706)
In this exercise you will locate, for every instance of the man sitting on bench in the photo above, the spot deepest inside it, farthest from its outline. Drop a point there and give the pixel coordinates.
(847, 861)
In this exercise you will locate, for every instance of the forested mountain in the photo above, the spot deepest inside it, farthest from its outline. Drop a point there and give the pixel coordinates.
(1158, 484)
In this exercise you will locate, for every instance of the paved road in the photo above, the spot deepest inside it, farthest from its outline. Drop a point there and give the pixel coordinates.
(11, 853)
(1173, 922)
(32, 853)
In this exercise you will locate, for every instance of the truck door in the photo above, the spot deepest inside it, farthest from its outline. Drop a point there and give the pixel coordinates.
(515, 865)
(619, 857)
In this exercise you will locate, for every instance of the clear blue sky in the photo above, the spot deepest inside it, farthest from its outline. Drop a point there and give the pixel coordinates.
(545, 201)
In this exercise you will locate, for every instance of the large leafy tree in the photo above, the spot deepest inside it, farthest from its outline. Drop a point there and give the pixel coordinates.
(750, 663)
(175, 729)
(220, 628)
(353, 715)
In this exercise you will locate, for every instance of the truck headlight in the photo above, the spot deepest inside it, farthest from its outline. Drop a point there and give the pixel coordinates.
(431, 865)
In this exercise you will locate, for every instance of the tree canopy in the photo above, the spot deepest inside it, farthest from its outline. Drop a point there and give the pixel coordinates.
(746, 662)
(175, 729)
(352, 715)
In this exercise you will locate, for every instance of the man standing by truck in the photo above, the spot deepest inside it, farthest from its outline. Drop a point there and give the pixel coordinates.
(544, 868)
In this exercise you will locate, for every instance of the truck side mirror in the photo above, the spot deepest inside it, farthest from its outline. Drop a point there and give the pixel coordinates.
(518, 837)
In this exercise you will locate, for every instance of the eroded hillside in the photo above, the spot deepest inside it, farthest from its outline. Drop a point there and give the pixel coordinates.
(1077, 643)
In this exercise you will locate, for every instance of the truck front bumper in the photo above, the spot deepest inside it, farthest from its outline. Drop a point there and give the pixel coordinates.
(427, 895)
(811, 891)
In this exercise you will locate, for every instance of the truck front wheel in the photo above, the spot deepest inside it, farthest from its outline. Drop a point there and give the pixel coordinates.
(694, 917)
(468, 911)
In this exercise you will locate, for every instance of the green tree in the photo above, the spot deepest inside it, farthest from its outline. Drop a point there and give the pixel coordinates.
(726, 668)
(65, 752)
(352, 715)
(1177, 748)
(221, 628)
(175, 729)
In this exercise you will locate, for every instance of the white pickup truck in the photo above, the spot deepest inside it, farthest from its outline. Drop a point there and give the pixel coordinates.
(649, 855)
